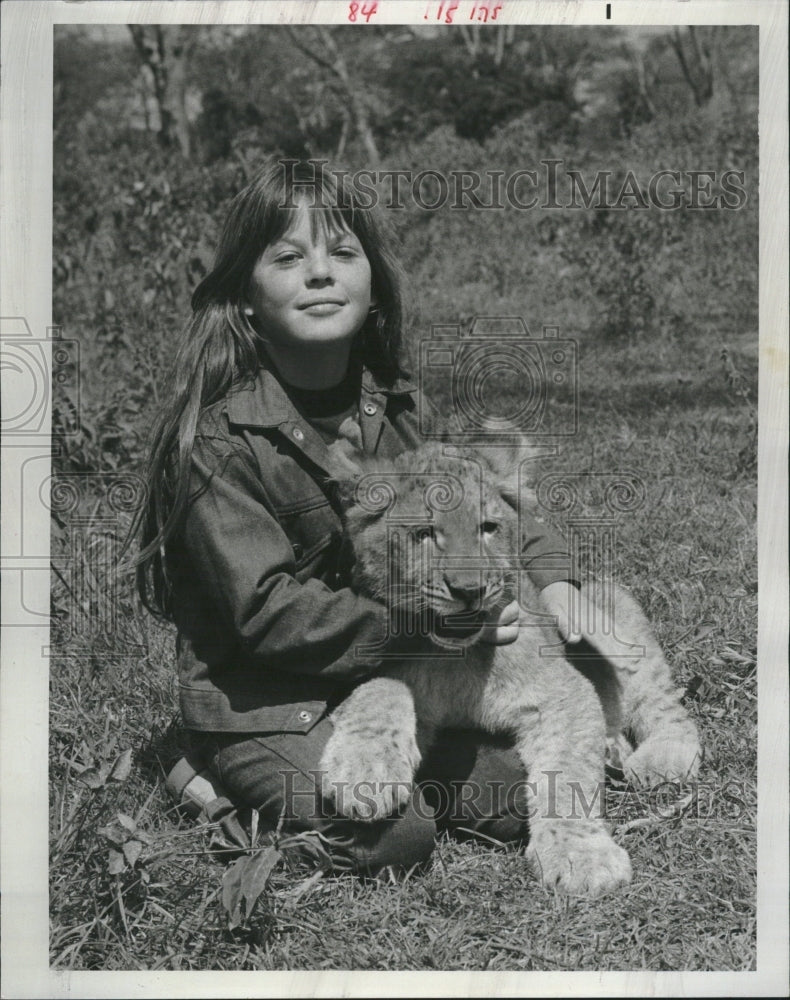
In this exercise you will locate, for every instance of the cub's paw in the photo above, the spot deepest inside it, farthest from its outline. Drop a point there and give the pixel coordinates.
(577, 858)
(366, 777)
(661, 759)
(618, 749)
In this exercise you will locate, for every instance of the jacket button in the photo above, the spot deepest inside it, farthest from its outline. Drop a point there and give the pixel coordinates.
(298, 433)
(370, 408)
(305, 717)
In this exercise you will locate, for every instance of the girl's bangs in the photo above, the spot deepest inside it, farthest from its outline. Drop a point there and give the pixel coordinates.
(326, 219)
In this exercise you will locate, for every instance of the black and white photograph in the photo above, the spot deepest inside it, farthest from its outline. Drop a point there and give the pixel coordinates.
(394, 548)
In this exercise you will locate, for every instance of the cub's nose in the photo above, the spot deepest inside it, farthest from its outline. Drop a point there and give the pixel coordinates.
(470, 593)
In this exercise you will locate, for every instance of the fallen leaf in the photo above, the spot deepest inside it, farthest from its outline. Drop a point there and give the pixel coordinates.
(95, 777)
(117, 862)
(728, 653)
(231, 892)
(256, 875)
(122, 767)
(131, 851)
(127, 822)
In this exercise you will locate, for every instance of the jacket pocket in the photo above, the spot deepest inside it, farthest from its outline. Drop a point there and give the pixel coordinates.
(311, 526)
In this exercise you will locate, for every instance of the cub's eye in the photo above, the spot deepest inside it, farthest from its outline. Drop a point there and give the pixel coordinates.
(423, 534)
(489, 527)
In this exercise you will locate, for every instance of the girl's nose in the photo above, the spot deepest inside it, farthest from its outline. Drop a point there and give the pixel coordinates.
(319, 267)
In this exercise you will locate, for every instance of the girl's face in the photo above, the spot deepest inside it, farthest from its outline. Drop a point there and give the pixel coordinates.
(311, 286)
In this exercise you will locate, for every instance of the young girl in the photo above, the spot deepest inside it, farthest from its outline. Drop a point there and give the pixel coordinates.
(295, 333)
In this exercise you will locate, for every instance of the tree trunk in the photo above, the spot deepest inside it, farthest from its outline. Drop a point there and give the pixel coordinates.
(637, 59)
(696, 65)
(163, 50)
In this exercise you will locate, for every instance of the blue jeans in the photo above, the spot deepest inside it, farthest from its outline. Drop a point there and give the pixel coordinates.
(469, 783)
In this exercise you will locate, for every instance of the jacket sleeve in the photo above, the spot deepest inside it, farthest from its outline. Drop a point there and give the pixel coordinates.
(245, 563)
(545, 554)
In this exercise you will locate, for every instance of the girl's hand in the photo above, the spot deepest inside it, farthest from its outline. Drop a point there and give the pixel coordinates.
(504, 628)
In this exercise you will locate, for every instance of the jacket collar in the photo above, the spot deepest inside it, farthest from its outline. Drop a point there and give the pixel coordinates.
(400, 387)
(264, 402)
(260, 403)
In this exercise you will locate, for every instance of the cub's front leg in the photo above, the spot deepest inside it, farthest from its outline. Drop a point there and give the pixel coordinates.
(370, 759)
(561, 737)
(667, 742)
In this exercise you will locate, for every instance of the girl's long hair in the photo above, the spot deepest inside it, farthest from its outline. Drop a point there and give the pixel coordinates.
(219, 349)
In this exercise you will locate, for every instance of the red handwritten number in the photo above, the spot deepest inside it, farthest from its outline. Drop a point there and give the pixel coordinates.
(484, 11)
(368, 10)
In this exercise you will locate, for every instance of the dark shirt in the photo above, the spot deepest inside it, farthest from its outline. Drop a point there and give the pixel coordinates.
(328, 409)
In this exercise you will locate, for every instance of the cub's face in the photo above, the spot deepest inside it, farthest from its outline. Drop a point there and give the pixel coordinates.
(433, 536)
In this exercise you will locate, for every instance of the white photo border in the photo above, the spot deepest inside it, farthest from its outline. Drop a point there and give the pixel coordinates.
(26, 291)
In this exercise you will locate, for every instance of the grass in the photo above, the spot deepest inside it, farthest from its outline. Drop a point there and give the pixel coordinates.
(134, 886)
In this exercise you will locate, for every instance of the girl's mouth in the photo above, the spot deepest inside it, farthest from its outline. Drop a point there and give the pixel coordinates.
(322, 308)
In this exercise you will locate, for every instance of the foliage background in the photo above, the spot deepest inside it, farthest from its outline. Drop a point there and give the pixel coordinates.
(664, 308)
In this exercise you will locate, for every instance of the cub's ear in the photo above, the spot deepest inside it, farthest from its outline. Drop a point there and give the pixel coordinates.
(504, 457)
(513, 466)
(345, 467)
(346, 454)
(345, 461)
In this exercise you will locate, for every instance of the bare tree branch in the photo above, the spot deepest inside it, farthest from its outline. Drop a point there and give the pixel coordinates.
(336, 66)
(470, 40)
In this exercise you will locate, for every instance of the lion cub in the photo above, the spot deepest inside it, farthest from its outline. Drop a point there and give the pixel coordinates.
(434, 538)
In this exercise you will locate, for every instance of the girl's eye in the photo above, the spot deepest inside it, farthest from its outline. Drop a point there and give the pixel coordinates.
(286, 258)
(344, 252)
(489, 527)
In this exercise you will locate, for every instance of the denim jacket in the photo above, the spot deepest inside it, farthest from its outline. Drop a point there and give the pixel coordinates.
(268, 632)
